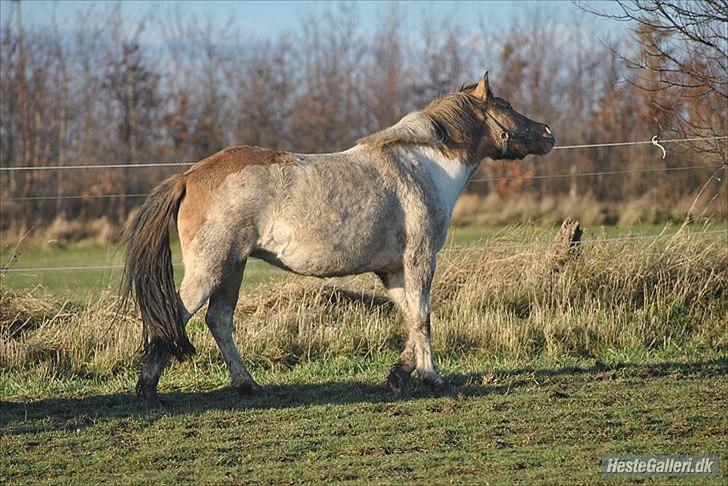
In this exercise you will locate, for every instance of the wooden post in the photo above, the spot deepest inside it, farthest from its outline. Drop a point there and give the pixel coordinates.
(566, 244)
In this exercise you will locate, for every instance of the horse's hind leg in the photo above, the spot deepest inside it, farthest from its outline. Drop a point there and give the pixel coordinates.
(196, 287)
(153, 364)
(219, 319)
(399, 376)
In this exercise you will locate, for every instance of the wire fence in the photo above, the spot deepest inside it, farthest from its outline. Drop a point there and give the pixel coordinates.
(489, 179)
(591, 174)
(653, 170)
(72, 196)
(654, 141)
(97, 166)
(491, 241)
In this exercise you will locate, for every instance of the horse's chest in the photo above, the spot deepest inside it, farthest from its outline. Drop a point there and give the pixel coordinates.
(447, 178)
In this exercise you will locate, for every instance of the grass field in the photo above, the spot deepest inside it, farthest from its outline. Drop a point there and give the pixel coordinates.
(78, 285)
(526, 422)
(621, 350)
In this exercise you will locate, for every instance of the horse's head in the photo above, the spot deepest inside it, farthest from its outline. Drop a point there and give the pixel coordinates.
(509, 134)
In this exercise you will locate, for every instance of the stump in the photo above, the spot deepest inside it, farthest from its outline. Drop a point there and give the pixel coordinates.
(566, 244)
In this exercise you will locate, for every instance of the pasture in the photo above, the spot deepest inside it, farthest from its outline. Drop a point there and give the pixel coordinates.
(620, 350)
(330, 139)
(77, 285)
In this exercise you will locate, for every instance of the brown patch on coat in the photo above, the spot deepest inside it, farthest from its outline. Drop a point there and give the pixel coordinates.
(204, 178)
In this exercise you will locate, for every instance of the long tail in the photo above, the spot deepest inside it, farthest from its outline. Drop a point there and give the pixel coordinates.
(149, 275)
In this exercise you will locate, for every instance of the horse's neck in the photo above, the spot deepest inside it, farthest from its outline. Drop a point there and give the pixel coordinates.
(448, 175)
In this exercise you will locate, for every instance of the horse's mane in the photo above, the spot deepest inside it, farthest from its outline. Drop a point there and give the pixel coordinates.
(446, 120)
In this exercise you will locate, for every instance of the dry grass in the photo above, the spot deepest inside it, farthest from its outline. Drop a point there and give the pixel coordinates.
(470, 210)
(61, 232)
(499, 298)
(492, 210)
(652, 208)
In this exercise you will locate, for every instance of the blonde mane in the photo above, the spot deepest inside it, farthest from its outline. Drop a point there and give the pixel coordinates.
(449, 120)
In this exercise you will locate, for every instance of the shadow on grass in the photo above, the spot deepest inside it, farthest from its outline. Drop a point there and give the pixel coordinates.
(71, 414)
(327, 296)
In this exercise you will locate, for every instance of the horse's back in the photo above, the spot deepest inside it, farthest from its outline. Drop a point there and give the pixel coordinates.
(324, 215)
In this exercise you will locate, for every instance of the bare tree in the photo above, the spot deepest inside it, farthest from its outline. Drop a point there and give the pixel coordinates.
(106, 94)
(683, 54)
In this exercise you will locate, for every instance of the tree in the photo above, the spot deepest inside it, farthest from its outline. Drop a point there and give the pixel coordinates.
(135, 98)
(683, 62)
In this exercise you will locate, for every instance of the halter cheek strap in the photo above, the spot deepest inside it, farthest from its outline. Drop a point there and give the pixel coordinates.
(505, 134)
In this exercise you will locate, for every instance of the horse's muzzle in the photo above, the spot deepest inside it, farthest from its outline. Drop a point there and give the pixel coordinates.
(547, 142)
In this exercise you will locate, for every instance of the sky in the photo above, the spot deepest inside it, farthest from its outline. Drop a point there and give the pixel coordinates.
(271, 18)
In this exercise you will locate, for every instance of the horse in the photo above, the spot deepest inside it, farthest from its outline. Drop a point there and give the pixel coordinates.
(382, 207)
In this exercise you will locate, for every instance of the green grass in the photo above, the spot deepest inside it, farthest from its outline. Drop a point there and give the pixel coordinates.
(623, 350)
(79, 285)
(514, 421)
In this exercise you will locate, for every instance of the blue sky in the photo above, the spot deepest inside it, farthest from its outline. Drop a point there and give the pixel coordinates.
(270, 18)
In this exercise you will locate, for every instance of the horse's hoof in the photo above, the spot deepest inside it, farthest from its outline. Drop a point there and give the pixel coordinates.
(439, 384)
(251, 389)
(147, 394)
(398, 379)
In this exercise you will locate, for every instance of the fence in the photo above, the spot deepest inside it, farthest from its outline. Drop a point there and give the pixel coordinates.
(654, 141)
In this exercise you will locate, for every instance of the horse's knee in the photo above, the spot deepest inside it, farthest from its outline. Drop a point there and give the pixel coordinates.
(219, 319)
(193, 293)
(203, 275)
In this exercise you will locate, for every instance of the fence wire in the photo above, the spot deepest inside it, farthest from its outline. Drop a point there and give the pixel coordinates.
(487, 179)
(590, 174)
(515, 244)
(179, 164)
(654, 141)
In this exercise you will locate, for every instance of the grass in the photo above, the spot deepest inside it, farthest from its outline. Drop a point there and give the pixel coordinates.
(81, 285)
(539, 421)
(78, 285)
(621, 350)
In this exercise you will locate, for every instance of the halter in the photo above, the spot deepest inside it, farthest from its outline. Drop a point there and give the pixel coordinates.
(505, 134)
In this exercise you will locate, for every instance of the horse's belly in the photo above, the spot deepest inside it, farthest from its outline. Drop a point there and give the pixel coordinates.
(339, 219)
(329, 252)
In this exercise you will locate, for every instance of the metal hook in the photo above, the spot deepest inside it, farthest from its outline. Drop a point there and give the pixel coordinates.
(656, 143)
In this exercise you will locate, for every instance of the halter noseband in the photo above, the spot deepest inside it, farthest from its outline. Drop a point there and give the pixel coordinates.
(505, 134)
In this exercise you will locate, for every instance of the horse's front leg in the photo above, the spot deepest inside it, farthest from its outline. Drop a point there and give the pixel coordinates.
(410, 290)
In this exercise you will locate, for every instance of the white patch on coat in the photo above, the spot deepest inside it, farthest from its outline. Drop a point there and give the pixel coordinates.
(448, 175)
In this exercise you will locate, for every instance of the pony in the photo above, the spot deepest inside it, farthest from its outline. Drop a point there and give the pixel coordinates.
(382, 206)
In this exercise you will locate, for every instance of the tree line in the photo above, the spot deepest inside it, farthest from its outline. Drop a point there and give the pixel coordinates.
(172, 87)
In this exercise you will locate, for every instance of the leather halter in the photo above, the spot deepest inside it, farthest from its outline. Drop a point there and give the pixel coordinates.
(505, 134)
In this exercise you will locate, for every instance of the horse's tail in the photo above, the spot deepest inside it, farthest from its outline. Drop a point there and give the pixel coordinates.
(148, 272)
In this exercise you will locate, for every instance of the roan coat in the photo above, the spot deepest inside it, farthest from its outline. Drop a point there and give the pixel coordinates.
(382, 206)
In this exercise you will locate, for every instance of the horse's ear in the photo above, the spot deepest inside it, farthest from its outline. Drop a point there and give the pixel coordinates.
(482, 90)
